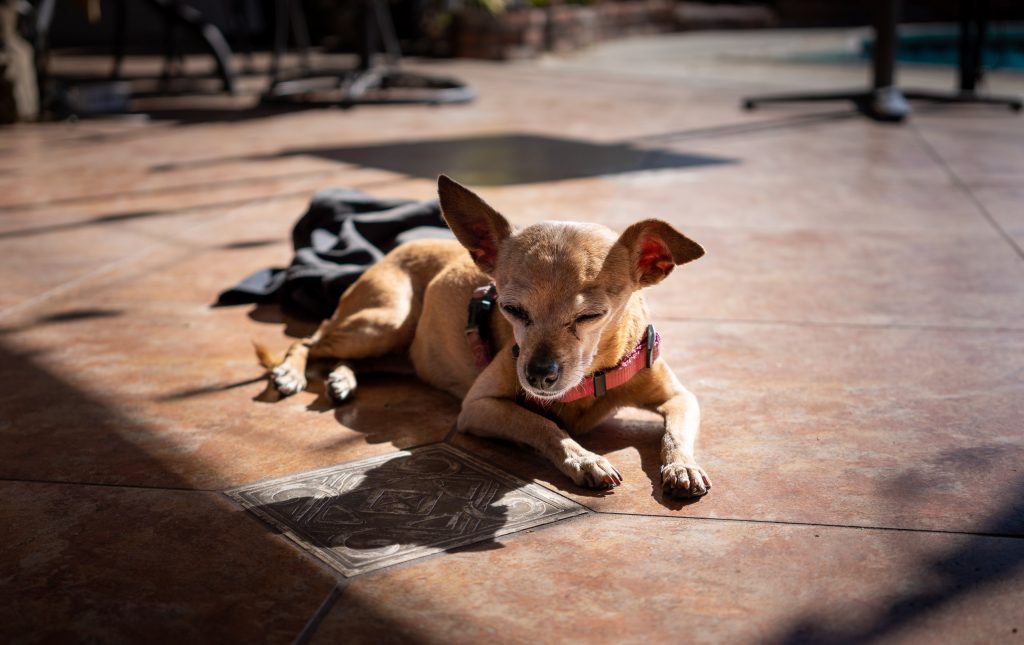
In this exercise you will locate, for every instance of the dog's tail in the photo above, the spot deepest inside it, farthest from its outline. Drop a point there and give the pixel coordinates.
(266, 359)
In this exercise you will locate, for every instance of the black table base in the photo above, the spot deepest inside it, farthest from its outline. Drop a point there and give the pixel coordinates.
(882, 104)
(376, 79)
(886, 101)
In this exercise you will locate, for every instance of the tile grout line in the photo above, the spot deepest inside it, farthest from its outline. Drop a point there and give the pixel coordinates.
(841, 324)
(309, 629)
(32, 207)
(738, 520)
(141, 132)
(58, 482)
(966, 189)
(197, 209)
(590, 509)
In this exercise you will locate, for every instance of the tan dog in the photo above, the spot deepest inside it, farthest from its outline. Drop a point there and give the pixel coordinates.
(571, 306)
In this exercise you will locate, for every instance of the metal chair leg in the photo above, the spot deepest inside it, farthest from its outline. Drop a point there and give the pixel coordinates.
(120, 28)
(179, 13)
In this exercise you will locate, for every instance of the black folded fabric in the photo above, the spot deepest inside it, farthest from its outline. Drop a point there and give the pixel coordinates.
(342, 234)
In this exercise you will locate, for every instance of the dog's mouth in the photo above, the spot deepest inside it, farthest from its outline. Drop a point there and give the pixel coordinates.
(542, 395)
(548, 395)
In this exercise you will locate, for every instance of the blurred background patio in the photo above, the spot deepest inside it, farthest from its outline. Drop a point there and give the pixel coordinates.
(855, 333)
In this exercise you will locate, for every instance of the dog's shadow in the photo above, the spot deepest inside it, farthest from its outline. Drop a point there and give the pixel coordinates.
(388, 406)
(395, 407)
(294, 326)
(645, 436)
(398, 409)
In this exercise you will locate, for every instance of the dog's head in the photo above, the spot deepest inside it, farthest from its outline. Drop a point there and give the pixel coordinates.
(562, 285)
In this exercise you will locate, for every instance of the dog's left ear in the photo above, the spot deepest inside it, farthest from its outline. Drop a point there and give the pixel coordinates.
(476, 225)
(655, 249)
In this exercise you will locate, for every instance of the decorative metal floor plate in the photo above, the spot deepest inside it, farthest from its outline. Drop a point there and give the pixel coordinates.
(380, 511)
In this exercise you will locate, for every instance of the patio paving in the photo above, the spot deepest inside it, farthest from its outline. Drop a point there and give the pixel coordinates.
(855, 335)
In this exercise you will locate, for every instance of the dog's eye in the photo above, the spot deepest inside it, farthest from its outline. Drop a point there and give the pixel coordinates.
(517, 312)
(585, 318)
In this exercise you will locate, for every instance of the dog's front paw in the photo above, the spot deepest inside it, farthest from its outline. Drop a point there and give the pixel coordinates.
(684, 479)
(592, 471)
(287, 379)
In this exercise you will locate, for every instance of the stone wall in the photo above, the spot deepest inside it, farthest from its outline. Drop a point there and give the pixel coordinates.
(525, 32)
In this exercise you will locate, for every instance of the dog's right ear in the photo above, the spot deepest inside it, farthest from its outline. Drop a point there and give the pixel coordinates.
(477, 226)
(655, 248)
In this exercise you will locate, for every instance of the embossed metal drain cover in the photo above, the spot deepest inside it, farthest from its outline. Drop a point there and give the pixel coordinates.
(380, 511)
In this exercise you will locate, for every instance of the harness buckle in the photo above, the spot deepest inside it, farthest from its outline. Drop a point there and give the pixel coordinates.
(479, 308)
(649, 350)
(600, 386)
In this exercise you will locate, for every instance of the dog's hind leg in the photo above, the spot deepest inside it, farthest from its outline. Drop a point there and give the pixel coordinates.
(289, 374)
(341, 382)
(376, 316)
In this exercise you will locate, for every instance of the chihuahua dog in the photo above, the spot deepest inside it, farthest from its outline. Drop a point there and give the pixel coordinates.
(572, 343)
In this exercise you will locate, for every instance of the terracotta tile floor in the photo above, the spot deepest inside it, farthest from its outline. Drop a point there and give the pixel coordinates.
(855, 335)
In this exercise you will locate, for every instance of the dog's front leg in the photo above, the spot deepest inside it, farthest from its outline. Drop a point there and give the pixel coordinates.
(505, 419)
(681, 476)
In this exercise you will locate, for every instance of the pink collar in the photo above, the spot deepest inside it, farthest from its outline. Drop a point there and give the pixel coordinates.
(597, 384)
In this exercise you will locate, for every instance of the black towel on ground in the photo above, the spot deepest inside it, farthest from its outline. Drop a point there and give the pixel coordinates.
(342, 234)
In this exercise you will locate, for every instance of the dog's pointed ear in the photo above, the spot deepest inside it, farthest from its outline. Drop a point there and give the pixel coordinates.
(655, 249)
(477, 226)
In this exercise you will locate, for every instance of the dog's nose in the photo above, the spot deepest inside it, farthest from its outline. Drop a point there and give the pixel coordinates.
(542, 373)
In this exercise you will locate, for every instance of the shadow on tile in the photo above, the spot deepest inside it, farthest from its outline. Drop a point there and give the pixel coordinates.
(62, 317)
(505, 159)
(180, 117)
(498, 159)
(730, 582)
(77, 435)
(86, 541)
(743, 128)
(210, 389)
(249, 244)
(117, 218)
(390, 406)
(272, 314)
(978, 561)
(176, 189)
(949, 468)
